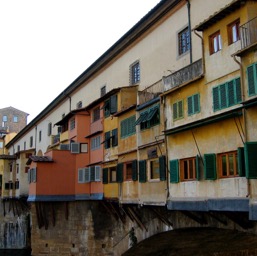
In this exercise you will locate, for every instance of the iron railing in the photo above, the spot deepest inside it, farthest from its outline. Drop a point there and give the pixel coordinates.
(248, 33)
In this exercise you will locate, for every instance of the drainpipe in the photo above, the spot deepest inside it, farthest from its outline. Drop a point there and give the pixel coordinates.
(242, 83)
(189, 29)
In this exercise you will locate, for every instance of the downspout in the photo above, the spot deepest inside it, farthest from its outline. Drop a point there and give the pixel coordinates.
(189, 29)
(242, 83)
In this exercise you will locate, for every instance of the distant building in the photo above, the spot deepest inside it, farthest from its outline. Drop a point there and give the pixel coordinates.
(12, 119)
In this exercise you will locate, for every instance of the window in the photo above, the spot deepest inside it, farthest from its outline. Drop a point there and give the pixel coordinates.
(110, 106)
(183, 41)
(252, 79)
(215, 42)
(193, 104)
(83, 147)
(96, 114)
(1, 144)
(113, 174)
(154, 169)
(5, 119)
(15, 119)
(114, 137)
(24, 145)
(233, 32)
(135, 73)
(210, 167)
(227, 164)
(149, 118)
(31, 141)
(79, 104)
(18, 148)
(49, 130)
(40, 136)
(95, 142)
(178, 110)
(127, 126)
(227, 94)
(188, 170)
(102, 91)
(26, 169)
(107, 140)
(128, 172)
(72, 123)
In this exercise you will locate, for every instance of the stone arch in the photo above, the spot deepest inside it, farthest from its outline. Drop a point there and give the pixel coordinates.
(197, 241)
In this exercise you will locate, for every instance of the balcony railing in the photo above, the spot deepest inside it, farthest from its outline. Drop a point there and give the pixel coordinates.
(183, 75)
(248, 33)
(150, 92)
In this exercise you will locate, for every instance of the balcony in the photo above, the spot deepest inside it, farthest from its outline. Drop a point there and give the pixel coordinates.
(248, 33)
(184, 75)
(151, 92)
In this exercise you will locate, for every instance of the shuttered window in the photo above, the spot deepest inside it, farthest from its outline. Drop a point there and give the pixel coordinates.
(250, 151)
(120, 172)
(134, 171)
(162, 163)
(114, 137)
(252, 79)
(127, 126)
(193, 104)
(113, 104)
(174, 171)
(210, 167)
(241, 162)
(142, 171)
(178, 110)
(105, 175)
(107, 140)
(227, 94)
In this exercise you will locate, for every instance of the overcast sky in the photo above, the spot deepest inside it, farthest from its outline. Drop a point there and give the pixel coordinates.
(46, 44)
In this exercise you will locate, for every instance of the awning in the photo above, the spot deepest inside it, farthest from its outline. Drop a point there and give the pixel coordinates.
(142, 118)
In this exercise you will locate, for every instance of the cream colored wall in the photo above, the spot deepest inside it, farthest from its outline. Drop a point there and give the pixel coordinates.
(157, 52)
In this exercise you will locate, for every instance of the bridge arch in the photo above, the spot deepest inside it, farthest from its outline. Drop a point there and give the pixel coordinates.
(197, 241)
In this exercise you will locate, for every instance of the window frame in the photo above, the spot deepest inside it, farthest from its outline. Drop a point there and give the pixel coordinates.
(128, 127)
(178, 115)
(128, 172)
(72, 123)
(185, 174)
(183, 41)
(215, 38)
(5, 118)
(227, 171)
(95, 142)
(156, 171)
(15, 119)
(112, 169)
(96, 114)
(49, 129)
(195, 104)
(233, 35)
(135, 73)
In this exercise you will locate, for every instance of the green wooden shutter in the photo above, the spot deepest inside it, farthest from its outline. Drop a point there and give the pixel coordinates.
(134, 170)
(114, 137)
(223, 96)
(142, 171)
(105, 175)
(238, 90)
(162, 163)
(251, 160)
(215, 95)
(113, 103)
(175, 111)
(120, 172)
(196, 103)
(231, 93)
(107, 139)
(190, 105)
(241, 162)
(197, 167)
(210, 167)
(251, 80)
(180, 109)
(174, 171)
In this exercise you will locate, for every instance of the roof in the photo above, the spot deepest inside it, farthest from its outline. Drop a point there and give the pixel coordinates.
(39, 159)
(148, 21)
(8, 157)
(223, 12)
(12, 108)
